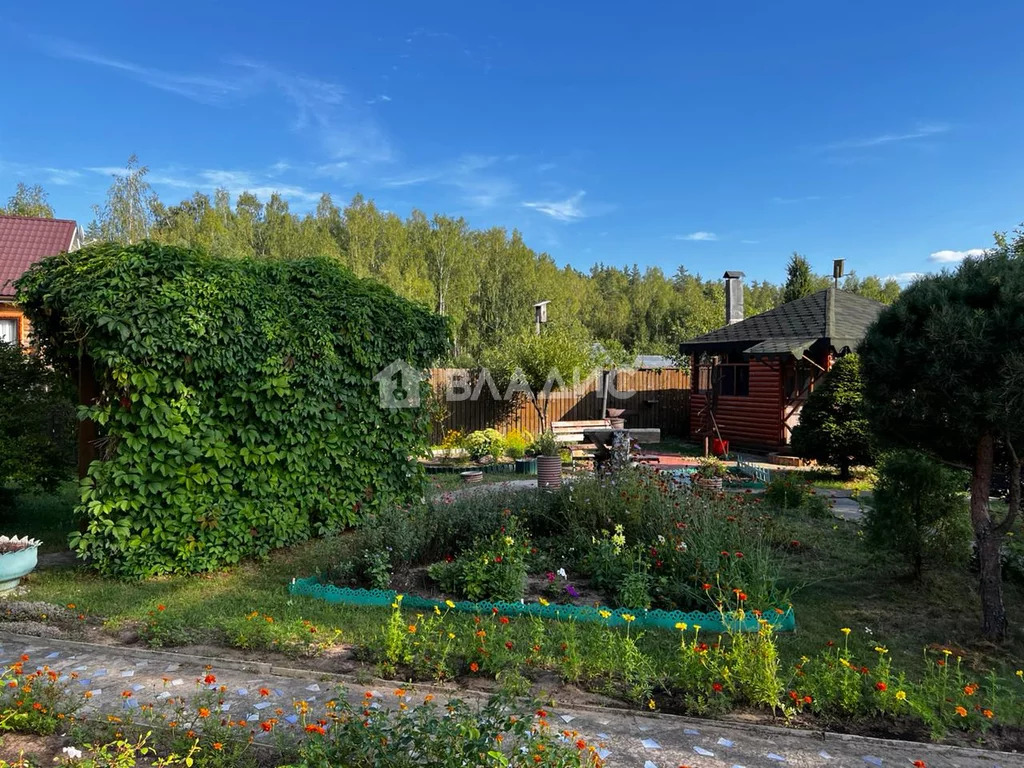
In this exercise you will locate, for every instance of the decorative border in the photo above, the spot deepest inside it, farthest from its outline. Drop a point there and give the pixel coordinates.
(712, 622)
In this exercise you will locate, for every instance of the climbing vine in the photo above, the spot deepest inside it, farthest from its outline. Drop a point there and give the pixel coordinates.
(235, 402)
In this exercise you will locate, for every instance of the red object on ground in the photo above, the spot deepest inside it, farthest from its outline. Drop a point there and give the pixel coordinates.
(719, 447)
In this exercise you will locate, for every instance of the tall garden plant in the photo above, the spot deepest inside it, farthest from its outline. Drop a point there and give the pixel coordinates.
(235, 399)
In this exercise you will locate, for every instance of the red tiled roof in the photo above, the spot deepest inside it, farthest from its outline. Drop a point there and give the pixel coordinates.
(24, 241)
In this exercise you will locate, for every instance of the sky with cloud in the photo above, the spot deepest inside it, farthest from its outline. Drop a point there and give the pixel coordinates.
(665, 135)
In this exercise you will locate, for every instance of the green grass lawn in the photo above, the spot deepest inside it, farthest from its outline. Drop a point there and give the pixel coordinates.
(863, 479)
(45, 516)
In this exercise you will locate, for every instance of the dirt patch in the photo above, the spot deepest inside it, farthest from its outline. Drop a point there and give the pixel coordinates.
(40, 750)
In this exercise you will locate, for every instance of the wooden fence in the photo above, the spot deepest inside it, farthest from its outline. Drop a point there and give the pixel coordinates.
(661, 398)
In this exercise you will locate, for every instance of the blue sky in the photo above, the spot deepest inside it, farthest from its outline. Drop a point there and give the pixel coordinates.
(713, 136)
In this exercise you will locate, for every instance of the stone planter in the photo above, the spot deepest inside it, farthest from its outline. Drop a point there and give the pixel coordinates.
(549, 471)
(473, 476)
(708, 483)
(526, 466)
(17, 558)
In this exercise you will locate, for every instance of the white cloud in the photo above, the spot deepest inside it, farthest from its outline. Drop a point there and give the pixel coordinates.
(920, 132)
(569, 209)
(950, 257)
(259, 183)
(750, 242)
(903, 278)
(698, 236)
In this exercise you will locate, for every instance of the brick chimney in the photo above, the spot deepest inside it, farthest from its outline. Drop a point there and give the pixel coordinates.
(733, 297)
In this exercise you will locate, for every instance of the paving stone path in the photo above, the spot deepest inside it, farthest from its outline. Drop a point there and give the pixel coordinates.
(253, 692)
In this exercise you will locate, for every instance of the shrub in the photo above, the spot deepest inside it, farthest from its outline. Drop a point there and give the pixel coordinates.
(919, 510)
(37, 422)
(484, 442)
(517, 443)
(235, 399)
(833, 427)
(787, 490)
(495, 569)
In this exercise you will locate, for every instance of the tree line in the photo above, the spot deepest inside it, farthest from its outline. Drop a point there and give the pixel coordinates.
(485, 281)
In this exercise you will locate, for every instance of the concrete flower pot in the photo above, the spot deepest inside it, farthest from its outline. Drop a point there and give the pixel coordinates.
(17, 558)
(472, 476)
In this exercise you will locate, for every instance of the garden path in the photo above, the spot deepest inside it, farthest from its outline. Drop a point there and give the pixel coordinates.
(626, 738)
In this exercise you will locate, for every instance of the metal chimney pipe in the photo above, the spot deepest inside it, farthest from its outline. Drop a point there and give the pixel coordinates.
(733, 297)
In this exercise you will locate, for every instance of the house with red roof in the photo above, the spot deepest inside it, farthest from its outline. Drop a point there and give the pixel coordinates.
(24, 241)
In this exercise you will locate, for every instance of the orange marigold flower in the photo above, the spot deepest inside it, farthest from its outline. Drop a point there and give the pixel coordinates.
(368, 695)
(161, 607)
(412, 629)
(267, 726)
(210, 679)
(126, 694)
(987, 713)
(264, 692)
(315, 728)
(474, 667)
(399, 691)
(581, 744)
(428, 698)
(204, 712)
(961, 711)
(218, 746)
(919, 764)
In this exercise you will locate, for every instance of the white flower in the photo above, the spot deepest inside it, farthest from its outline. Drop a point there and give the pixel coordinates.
(71, 753)
(561, 572)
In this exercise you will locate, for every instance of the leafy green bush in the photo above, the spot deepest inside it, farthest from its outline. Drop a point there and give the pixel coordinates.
(517, 443)
(236, 399)
(37, 422)
(787, 490)
(833, 427)
(919, 510)
(484, 442)
(495, 569)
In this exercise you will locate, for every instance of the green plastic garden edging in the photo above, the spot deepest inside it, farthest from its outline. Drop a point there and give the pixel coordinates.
(383, 598)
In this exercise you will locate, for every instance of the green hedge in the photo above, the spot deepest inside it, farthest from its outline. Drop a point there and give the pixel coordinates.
(237, 407)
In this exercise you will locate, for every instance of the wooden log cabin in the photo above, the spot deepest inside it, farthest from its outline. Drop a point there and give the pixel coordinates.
(751, 378)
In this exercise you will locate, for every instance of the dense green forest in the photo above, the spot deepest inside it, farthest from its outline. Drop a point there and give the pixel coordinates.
(485, 280)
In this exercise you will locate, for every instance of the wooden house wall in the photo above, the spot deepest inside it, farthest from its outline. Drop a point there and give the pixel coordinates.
(754, 420)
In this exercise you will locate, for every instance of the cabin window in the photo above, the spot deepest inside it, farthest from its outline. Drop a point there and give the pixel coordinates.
(734, 376)
(9, 330)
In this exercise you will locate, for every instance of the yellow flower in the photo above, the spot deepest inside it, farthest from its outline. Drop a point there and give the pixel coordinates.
(681, 626)
(605, 614)
(846, 630)
(650, 703)
(901, 695)
(881, 649)
(1020, 674)
(449, 603)
(451, 635)
(628, 617)
(437, 610)
(946, 652)
(542, 601)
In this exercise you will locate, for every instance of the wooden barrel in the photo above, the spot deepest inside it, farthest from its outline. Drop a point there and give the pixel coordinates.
(549, 471)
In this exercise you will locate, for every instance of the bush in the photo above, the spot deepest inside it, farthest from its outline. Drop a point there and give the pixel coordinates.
(833, 427)
(919, 510)
(484, 442)
(517, 443)
(236, 399)
(37, 423)
(495, 569)
(787, 490)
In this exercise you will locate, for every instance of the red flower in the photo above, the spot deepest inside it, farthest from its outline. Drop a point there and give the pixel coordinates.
(706, 586)
(742, 595)
(808, 699)
(161, 607)
(716, 687)
(880, 686)
(581, 744)
(267, 726)
(508, 644)
(497, 559)
(541, 713)
(210, 679)
(724, 553)
(503, 619)
(474, 667)
(314, 728)
(919, 764)
(739, 554)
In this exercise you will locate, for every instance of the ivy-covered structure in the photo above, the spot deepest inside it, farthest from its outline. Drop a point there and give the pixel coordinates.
(233, 401)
